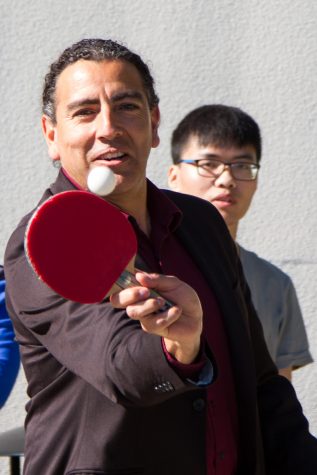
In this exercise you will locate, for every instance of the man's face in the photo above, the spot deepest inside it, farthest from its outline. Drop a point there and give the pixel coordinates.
(231, 197)
(103, 118)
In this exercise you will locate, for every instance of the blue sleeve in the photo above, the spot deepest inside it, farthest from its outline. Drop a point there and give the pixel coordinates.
(9, 351)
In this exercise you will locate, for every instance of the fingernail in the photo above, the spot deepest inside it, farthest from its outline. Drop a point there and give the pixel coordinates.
(144, 293)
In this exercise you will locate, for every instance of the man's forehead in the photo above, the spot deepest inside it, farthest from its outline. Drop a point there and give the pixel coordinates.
(84, 74)
(197, 145)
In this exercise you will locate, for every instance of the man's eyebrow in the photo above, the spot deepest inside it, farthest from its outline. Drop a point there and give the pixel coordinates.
(214, 156)
(81, 103)
(244, 156)
(118, 96)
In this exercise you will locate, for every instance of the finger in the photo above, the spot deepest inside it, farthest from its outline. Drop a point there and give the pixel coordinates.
(159, 324)
(129, 296)
(173, 290)
(161, 282)
(149, 307)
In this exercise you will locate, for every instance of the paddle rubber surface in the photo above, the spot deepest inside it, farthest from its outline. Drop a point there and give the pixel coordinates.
(79, 244)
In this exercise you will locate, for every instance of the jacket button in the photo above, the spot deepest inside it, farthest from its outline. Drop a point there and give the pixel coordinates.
(199, 405)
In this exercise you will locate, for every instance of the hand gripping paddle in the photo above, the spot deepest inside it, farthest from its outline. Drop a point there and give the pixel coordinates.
(80, 246)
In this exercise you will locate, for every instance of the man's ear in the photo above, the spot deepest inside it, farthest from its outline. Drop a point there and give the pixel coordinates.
(50, 134)
(155, 120)
(172, 177)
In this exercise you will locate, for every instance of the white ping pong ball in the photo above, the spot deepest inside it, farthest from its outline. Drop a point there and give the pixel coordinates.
(101, 181)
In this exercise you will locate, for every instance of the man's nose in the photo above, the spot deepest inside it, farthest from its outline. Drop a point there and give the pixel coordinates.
(226, 179)
(107, 126)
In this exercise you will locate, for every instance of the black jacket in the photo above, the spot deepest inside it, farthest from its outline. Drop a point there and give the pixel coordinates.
(93, 375)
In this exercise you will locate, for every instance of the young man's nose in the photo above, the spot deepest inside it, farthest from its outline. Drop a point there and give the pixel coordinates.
(226, 179)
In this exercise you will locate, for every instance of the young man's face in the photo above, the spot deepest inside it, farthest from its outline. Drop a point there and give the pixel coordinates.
(230, 196)
(103, 118)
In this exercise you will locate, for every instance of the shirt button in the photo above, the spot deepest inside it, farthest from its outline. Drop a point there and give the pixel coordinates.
(199, 405)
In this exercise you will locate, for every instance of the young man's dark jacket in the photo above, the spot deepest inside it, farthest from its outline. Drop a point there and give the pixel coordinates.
(98, 402)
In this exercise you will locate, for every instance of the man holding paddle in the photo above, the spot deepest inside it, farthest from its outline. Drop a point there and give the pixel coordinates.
(124, 385)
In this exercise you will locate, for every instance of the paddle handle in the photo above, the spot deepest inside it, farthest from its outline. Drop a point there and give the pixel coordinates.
(127, 279)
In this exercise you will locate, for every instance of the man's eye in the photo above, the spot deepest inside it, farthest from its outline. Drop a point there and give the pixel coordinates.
(209, 165)
(84, 112)
(128, 106)
(242, 166)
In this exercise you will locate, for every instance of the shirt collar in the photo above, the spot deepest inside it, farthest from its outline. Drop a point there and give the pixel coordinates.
(73, 182)
(163, 211)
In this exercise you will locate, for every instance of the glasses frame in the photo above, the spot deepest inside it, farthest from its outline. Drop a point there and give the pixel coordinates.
(229, 165)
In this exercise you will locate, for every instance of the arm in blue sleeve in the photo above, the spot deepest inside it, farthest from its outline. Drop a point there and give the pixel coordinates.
(9, 351)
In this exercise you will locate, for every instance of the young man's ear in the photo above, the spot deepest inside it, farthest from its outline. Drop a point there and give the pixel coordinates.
(172, 177)
(50, 134)
(155, 119)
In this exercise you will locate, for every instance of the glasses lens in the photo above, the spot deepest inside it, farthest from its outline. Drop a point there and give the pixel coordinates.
(244, 171)
(239, 170)
(210, 168)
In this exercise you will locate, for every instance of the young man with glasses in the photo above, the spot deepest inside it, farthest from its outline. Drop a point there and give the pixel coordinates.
(216, 151)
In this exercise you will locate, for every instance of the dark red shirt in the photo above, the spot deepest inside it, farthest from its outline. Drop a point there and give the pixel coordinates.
(163, 253)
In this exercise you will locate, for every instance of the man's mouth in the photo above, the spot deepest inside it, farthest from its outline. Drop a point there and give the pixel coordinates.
(224, 200)
(109, 156)
(111, 159)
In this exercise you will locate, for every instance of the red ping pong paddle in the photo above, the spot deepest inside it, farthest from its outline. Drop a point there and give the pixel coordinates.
(82, 247)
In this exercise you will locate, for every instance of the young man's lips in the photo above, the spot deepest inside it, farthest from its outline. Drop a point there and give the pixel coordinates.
(223, 201)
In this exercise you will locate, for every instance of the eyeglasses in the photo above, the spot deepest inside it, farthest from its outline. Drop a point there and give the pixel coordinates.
(212, 168)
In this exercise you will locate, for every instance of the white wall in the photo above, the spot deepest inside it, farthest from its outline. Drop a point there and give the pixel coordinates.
(256, 54)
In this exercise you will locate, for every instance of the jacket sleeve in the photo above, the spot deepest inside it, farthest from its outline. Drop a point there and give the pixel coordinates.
(95, 342)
